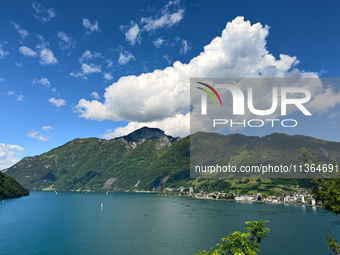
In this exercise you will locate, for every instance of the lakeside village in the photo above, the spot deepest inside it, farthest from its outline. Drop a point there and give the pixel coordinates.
(300, 196)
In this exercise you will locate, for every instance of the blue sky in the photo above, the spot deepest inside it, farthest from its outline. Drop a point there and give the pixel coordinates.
(55, 54)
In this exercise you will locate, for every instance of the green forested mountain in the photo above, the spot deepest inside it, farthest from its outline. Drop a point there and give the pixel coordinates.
(10, 188)
(147, 158)
(87, 164)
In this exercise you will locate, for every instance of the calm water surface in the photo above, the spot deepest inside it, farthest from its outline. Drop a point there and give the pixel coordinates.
(75, 223)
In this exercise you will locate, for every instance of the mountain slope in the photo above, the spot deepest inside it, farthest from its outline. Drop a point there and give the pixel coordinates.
(89, 163)
(274, 149)
(147, 156)
(10, 188)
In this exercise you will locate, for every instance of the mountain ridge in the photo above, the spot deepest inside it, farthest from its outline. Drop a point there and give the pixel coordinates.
(143, 158)
(147, 134)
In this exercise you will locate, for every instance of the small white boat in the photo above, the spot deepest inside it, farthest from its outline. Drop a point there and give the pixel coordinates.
(101, 206)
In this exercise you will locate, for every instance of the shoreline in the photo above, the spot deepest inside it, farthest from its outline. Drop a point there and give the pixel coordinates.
(248, 202)
(203, 198)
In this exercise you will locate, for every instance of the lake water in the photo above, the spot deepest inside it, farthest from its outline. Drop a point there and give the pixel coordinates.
(75, 223)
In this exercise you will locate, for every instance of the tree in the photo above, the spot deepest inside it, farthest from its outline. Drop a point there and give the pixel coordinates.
(308, 158)
(259, 181)
(246, 181)
(237, 243)
(327, 191)
(10, 188)
(333, 244)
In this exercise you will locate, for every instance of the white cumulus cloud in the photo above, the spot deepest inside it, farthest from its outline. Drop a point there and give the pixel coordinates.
(158, 42)
(132, 33)
(27, 52)
(108, 76)
(18, 97)
(161, 97)
(47, 57)
(57, 102)
(3, 53)
(22, 32)
(42, 81)
(109, 62)
(90, 27)
(9, 154)
(185, 47)
(167, 58)
(47, 128)
(87, 55)
(87, 69)
(322, 102)
(124, 56)
(37, 135)
(95, 95)
(165, 18)
(42, 14)
(168, 16)
(66, 42)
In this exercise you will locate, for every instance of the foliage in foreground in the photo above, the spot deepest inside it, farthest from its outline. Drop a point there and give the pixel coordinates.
(333, 244)
(326, 191)
(237, 243)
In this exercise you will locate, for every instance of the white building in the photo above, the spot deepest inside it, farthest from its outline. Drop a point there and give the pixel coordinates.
(191, 189)
(291, 199)
(300, 199)
(311, 201)
(286, 199)
(248, 199)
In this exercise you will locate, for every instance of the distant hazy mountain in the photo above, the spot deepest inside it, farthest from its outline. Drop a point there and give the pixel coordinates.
(147, 158)
(10, 188)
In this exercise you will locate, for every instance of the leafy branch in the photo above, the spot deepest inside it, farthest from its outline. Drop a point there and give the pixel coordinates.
(237, 243)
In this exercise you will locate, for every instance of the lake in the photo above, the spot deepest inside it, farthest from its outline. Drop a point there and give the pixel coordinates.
(132, 223)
